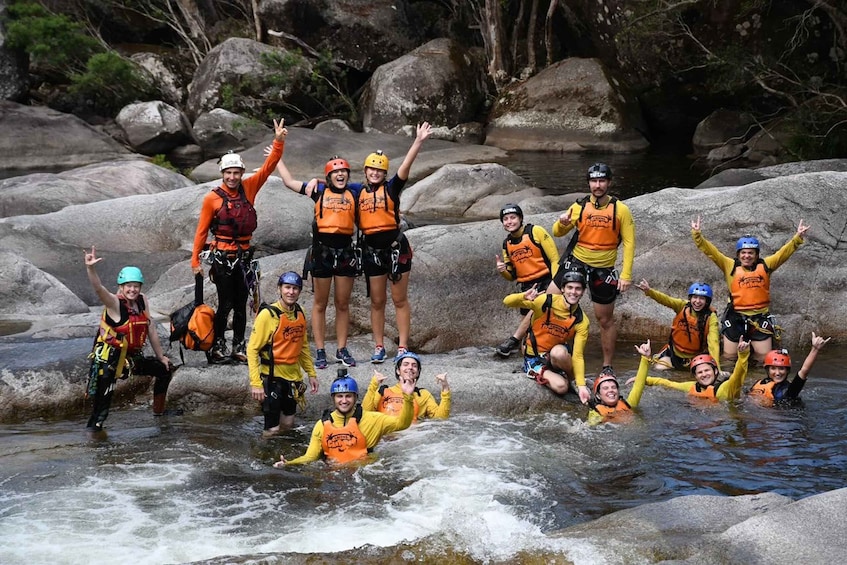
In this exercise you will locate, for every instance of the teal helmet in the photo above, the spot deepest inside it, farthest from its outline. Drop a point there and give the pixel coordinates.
(130, 274)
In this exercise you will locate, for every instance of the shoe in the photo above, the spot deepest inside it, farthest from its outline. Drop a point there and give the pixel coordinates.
(400, 351)
(219, 353)
(343, 356)
(607, 370)
(320, 359)
(508, 347)
(239, 351)
(379, 355)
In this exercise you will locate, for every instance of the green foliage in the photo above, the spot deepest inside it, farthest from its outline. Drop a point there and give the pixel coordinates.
(110, 82)
(55, 43)
(162, 161)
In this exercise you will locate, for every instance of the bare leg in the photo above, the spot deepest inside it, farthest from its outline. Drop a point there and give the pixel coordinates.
(402, 308)
(605, 314)
(343, 290)
(761, 348)
(378, 300)
(322, 287)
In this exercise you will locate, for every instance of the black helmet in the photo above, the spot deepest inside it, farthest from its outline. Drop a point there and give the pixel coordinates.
(511, 209)
(599, 171)
(573, 276)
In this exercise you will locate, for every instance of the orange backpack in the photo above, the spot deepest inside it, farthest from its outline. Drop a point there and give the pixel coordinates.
(193, 325)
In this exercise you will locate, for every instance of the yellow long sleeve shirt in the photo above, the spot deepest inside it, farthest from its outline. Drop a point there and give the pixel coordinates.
(264, 328)
(424, 401)
(728, 390)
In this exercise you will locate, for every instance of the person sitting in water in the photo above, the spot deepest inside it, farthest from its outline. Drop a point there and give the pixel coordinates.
(349, 433)
(706, 383)
(607, 404)
(557, 335)
(776, 388)
(694, 330)
(389, 399)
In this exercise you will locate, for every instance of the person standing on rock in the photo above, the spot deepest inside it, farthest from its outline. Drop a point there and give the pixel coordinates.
(348, 434)
(332, 256)
(749, 280)
(386, 253)
(529, 257)
(557, 335)
(776, 389)
(277, 354)
(695, 328)
(602, 223)
(227, 211)
(118, 351)
(389, 399)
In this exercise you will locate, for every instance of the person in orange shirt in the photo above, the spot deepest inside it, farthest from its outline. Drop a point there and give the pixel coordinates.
(227, 211)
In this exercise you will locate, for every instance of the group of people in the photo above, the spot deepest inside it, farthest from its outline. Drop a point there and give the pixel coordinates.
(553, 331)
(356, 229)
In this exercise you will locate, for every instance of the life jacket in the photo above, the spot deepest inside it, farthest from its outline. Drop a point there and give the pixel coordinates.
(611, 411)
(708, 392)
(391, 402)
(598, 228)
(235, 221)
(344, 444)
(527, 256)
(548, 331)
(287, 339)
(131, 330)
(335, 212)
(688, 331)
(750, 290)
(376, 211)
(766, 389)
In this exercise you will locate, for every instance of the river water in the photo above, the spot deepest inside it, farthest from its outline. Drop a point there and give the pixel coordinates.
(189, 488)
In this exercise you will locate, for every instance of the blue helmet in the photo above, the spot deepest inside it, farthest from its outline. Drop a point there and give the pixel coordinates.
(406, 355)
(344, 384)
(700, 289)
(290, 277)
(747, 242)
(130, 274)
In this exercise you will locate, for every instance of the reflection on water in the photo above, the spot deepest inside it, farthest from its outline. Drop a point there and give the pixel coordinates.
(490, 488)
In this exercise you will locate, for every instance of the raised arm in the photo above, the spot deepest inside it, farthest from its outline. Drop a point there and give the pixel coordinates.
(818, 343)
(422, 133)
(109, 300)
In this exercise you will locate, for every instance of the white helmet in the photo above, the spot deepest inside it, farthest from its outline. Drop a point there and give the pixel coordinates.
(231, 160)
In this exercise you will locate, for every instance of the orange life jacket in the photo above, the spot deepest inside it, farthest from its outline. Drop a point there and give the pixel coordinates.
(622, 408)
(391, 402)
(235, 220)
(344, 444)
(548, 331)
(527, 256)
(750, 290)
(764, 389)
(287, 340)
(130, 331)
(598, 228)
(709, 392)
(335, 212)
(377, 212)
(688, 331)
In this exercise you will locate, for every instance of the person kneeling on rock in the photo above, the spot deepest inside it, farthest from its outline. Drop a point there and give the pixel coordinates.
(118, 350)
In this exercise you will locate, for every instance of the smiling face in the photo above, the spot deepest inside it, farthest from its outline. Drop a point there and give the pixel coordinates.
(777, 374)
(232, 177)
(698, 302)
(599, 187)
(408, 368)
(572, 292)
(130, 290)
(748, 257)
(608, 393)
(338, 178)
(289, 293)
(345, 402)
(512, 222)
(375, 176)
(705, 374)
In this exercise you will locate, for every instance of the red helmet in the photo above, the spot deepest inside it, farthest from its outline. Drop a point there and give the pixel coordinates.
(777, 358)
(602, 378)
(336, 164)
(700, 359)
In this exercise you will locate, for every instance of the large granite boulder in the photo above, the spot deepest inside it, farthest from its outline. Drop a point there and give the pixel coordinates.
(218, 131)
(154, 127)
(26, 290)
(36, 139)
(41, 193)
(439, 82)
(573, 105)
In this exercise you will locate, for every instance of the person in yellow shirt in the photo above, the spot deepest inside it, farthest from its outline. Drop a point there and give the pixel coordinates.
(748, 277)
(389, 399)
(557, 335)
(277, 354)
(348, 433)
(607, 405)
(707, 383)
(529, 257)
(695, 328)
(601, 223)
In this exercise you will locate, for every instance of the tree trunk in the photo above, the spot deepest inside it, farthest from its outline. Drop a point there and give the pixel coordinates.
(531, 61)
(493, 38)
(548, 31)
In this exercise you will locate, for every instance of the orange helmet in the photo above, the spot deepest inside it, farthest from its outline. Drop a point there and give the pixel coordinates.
(700, 359)
(602, 378)
(777, 358)
(336, 164)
